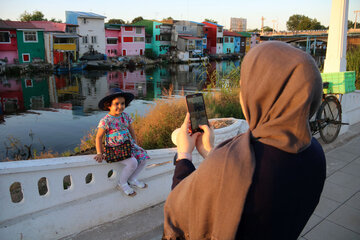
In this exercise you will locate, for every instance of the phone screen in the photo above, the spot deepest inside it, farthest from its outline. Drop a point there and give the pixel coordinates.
(196, 108)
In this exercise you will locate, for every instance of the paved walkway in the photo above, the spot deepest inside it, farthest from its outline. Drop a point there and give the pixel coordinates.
(337, 217)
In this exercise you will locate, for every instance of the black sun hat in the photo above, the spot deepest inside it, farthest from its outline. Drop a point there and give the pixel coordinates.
(114, 93)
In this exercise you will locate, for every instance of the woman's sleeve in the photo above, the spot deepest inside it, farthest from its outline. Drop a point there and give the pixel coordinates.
(183, 168)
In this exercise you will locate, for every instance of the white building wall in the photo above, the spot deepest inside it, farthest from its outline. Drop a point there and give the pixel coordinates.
(92, 27)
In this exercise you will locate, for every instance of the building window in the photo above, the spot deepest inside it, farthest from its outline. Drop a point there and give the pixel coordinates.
(226, 39)
(204, 41)
(111, 40)
(138, 30)
(85, 40)
(84, 20)
(219, 29)
(64, 40)
(184, 28)
(30, 36)
(93, 39)
(148, 39)
(128, 29)
(5, 37)
(231, 40)
(26, 57)
(219, 40)
(128, 39)
(157, 37)
(242, 44)
(138, 39)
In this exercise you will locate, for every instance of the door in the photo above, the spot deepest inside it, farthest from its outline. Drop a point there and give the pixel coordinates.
(124, 52)
(141, 52)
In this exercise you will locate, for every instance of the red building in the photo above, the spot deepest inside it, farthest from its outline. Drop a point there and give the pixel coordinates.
(8, 42)
(214, 35)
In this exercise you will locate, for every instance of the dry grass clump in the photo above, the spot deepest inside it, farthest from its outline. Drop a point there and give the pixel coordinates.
(154, 130)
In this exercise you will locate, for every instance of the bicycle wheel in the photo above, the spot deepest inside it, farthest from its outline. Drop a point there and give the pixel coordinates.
(329, 119)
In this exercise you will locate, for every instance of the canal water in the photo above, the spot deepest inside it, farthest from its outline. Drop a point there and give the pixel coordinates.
(53, 112)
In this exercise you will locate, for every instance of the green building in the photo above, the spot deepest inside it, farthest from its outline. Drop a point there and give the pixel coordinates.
(158, 37)
(35, 93)
(31, 45)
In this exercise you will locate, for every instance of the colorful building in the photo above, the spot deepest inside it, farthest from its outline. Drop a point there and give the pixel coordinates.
(214, 35)
(29, 41)
(158, 36)
(60, 41)
(90, 28)
(8, 43)
(232, 42)
(35, 93)
(11, 96)
(124, 40)
(188, 36)
(133, 82)
(247, 44)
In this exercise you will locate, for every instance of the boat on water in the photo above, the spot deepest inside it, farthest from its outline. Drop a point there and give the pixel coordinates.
(74, 67)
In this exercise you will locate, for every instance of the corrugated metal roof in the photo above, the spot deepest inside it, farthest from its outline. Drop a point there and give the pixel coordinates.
(190, 37)
(50, 26)
(233, 34)
(213, 24)
(17, 25)
(87, 14)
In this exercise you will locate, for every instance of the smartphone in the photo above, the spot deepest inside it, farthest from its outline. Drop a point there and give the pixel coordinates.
(196, 108)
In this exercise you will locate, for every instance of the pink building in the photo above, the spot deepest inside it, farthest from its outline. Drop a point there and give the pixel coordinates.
(134, 82)
(8, 42)
(124, 40)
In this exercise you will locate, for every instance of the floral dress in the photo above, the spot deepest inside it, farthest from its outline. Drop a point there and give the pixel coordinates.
(117, 132)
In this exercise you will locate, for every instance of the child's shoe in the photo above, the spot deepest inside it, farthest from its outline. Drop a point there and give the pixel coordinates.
(126, 189)
(137, 183)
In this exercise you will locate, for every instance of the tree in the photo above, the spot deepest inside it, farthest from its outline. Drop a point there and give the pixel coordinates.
(301, 22)
(137, 19)
(168, 18)
(351, 24)
(253, 30)
(267, 29)
(35, 16)
(116, 21)
(56, 21)
(210, 20)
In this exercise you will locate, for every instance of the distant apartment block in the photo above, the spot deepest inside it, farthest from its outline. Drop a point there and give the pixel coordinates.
(238, 24)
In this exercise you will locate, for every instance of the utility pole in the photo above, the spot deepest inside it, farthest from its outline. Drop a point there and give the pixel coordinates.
(262, 24)
(273, 21)
(356, 13)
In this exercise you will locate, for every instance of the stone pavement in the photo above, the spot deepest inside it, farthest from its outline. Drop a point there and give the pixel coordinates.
(337, 217)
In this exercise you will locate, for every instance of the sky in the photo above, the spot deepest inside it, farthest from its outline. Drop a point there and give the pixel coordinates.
(195, 10)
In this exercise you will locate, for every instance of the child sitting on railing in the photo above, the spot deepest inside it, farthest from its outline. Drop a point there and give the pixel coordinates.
(116, 126)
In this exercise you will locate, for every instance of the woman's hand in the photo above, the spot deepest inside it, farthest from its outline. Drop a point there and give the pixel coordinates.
(185, 141)
(205, 142)
(99, 157)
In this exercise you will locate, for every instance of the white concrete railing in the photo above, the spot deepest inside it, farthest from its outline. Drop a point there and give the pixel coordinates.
(62, 212)
(350, 104)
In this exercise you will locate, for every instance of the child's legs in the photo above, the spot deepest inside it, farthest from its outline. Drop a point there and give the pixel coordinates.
(139, 168)
(130, 166)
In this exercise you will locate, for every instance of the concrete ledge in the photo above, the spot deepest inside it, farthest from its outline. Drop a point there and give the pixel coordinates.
(62, 212)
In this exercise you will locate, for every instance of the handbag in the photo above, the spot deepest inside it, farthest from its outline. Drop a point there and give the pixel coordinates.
(118, 153)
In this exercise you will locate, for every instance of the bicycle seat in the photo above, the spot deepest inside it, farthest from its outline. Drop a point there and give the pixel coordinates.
(325, 85)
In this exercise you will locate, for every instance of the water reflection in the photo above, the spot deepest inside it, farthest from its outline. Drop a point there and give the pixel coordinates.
(47, 105)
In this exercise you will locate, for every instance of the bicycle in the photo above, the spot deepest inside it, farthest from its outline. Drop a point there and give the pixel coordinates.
(327, 119)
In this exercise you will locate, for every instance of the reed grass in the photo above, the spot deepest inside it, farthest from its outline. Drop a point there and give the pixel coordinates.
(353, 63)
